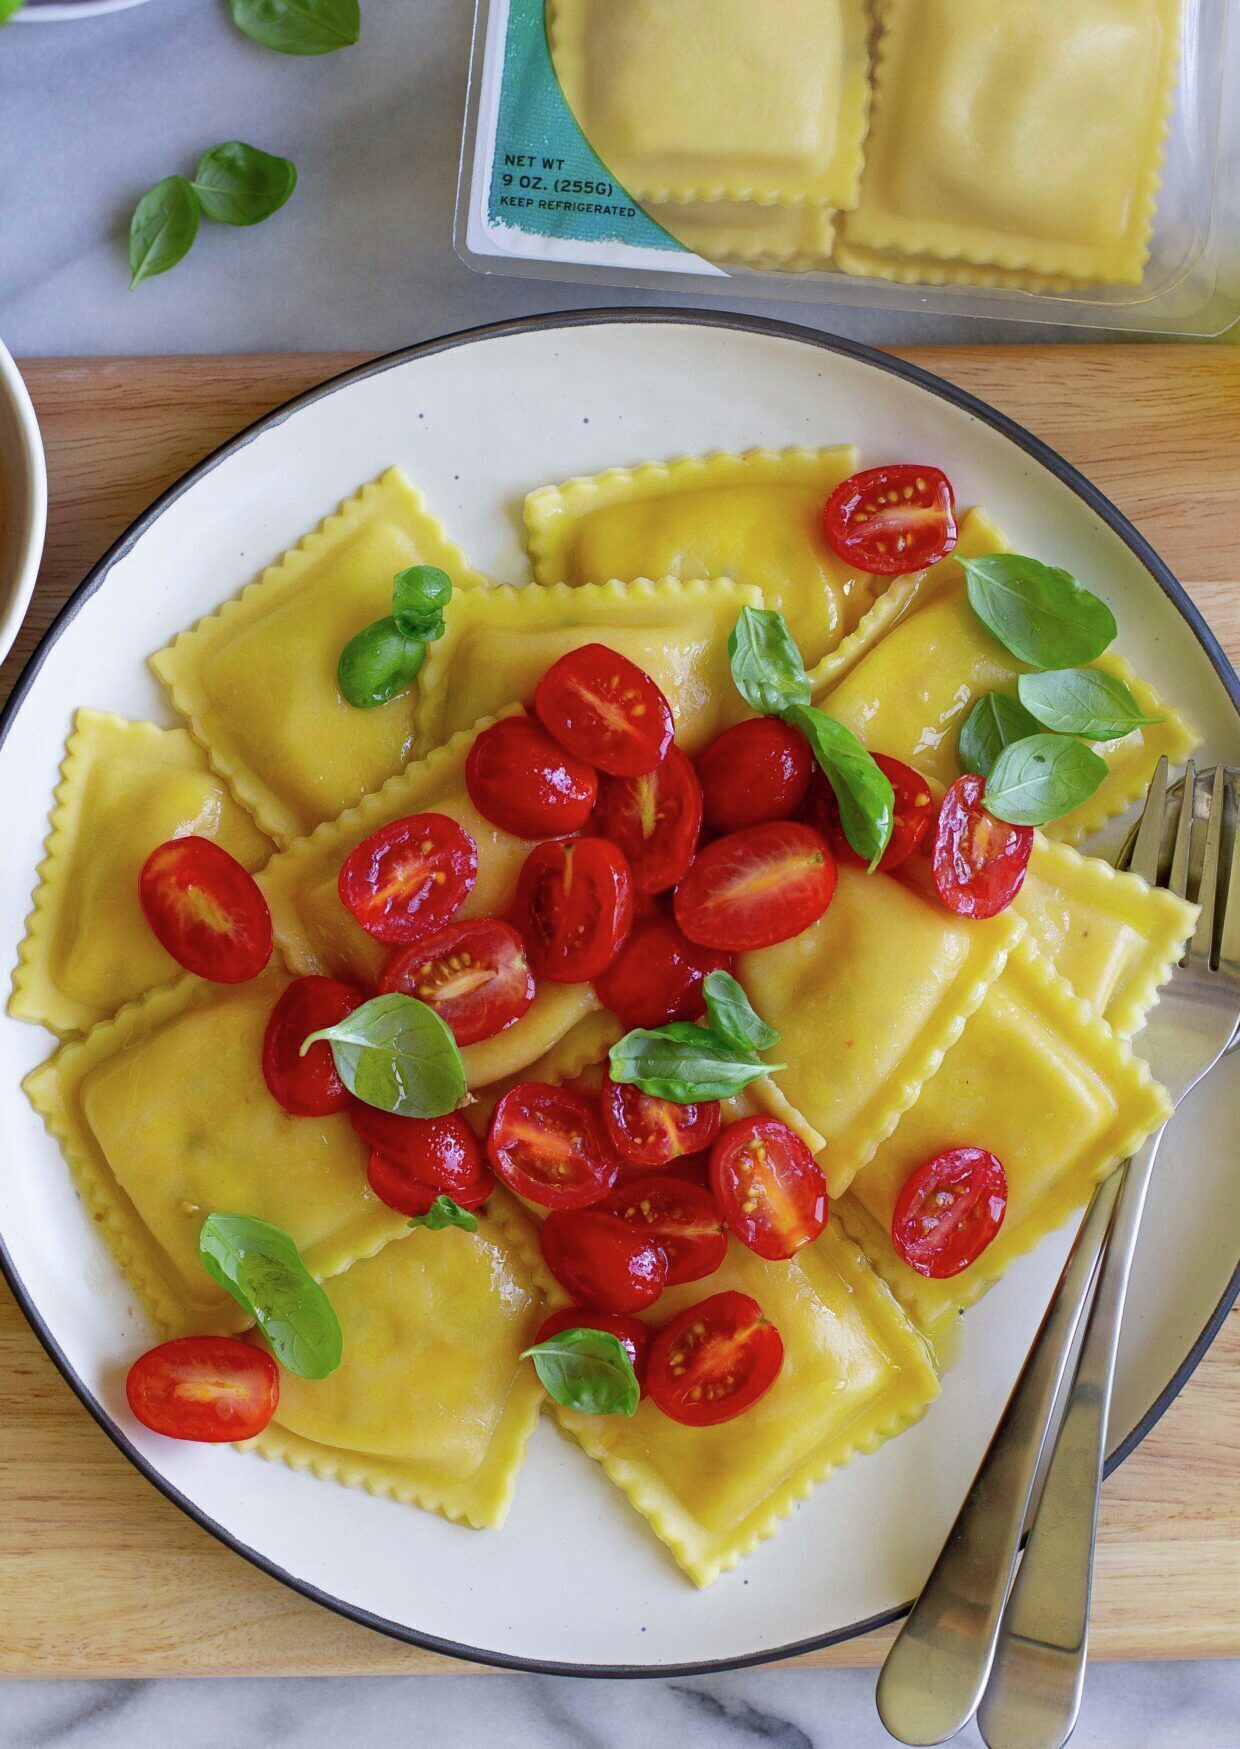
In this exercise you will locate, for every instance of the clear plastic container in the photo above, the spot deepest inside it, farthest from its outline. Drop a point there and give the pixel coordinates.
(537, 196)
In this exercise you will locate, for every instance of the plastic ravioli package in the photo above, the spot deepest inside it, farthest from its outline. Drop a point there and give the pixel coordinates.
(1051, 160)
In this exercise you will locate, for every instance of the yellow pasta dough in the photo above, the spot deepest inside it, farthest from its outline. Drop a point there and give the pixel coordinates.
(791, 238)
(124, 789)
(256, 680)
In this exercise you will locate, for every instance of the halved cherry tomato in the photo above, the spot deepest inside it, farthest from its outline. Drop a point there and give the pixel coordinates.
(606, 710)
(690, 1169)
(754, 772)
(655, 819)
(442, 1151)
(473, 974)
(646, 1131)
(206, 910)
(914, 814)
(409, 877)
(307, 1086)
(574, 907)
(979, 862)
(658, 975)
(602, 1261)
(523, 780)
(634, 1336)
(209, 1388)
(678, 1216)
(547, 1145)
(949, 1210)
(769, 1186)
(756, 887)
(888, 520)
(714, 1360)
(394, 1185)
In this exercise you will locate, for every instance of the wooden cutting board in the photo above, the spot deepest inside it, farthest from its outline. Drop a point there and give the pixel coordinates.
(99, 1575)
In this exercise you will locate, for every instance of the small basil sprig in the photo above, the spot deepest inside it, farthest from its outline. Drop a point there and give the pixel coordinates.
(687, 1063)
(587, 1370)
(419, 597)
(1041, 614)
(995, 722)
(395, 1053)
(731, 1014)
(385, 657)
(442, 1213)
(1042, 778)
(261, 1268)
(769, 675)
(10, 9)
(299, 27)
(234, 184)
(163, 228)
(1082, 701)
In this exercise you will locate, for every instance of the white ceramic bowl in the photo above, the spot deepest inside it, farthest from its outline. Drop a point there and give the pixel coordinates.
(68, 11)
(23, 500)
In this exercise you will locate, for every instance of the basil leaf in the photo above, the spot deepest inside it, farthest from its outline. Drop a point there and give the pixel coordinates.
(1042, 778)
(395, 1053)
(684, 1063)
(163, 228)
(995, 721)
(732, 1017)
(237, 184)
(299, 27)
(377, 664)
(443, 1212)
(1082, 701)
(766, 664)
(261, 1268)
(419, 596)
(866, 798)
(587, 1370)
(1041, 614)
(10, 9)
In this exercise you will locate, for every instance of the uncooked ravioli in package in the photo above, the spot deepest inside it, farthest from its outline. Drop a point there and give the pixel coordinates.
(1042, 159)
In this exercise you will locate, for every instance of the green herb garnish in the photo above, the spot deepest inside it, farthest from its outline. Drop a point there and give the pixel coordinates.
(1042, 778)
(995, 722)
(386, 657)
(587, 1370)
(443, 1212)
(237, 184)
(686, 1063)
(419, 597)
(10, 9)
(395, 1053)
(261, 1268)
(767, 669)
(299, 27)
(731, 1015)
(1039, 613)
(1082, 701)
(163, 228)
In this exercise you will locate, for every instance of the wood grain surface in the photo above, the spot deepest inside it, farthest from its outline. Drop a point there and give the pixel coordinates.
(99, 1575)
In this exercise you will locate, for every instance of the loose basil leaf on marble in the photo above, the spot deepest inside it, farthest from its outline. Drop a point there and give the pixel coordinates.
(1042, 778)
(237, 184)
(1082, 701)
(419, 597)
(685, 1063)
(1041, 614)
(10, 9)
(261, 1268)
(995, 721)
(378, 663)
(732, 1016)
(766, 664)
(587, 1370)
(163, 228)
(443, 1212)
(395, 1053)
(299, 27)
(866, 799)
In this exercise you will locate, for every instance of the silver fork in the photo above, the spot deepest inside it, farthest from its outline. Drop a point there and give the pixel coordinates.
(945, 1655)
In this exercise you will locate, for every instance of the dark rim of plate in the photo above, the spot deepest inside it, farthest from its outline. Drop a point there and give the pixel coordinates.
(923, 379)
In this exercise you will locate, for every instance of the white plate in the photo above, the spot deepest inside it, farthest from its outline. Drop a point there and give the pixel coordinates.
(23, 500)
(575, 1580)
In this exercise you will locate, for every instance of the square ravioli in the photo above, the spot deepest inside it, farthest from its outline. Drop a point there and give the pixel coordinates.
(867, 1000)
(855, 1372)
(164, 1118)
(316, 933)
(791, 237)
(1028, 136)
(692, 100)
(498, 643)
(124, 789)
(432, 1403)
(256, 680)
(1042, 1083)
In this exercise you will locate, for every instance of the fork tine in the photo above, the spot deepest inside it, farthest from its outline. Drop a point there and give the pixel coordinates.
(1229, 951)
(1184, 833)
(1147, 848)
(1203, 941)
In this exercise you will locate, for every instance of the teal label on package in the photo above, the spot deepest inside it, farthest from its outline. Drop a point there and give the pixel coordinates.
(547, 180)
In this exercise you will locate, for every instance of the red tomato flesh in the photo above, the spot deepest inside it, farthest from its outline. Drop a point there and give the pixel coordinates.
(474, 974)
(396, 1186)
(409, 877)
(307, 1086)
(769, 1186)
(209, 1388)
(605, 710)
(546, 1144)
(911, 822)
(714, 1360)
(646, 1131)
(522, 780)
(574, 907)
(634, 1336)
(442, 1151)
(658, 975)
(206, 910)
(889, 520)
(655, 819)
(602, 1261)
(680, 1217)
(979, 862)
(752, 773)
(949, 1210)
(756, 887)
